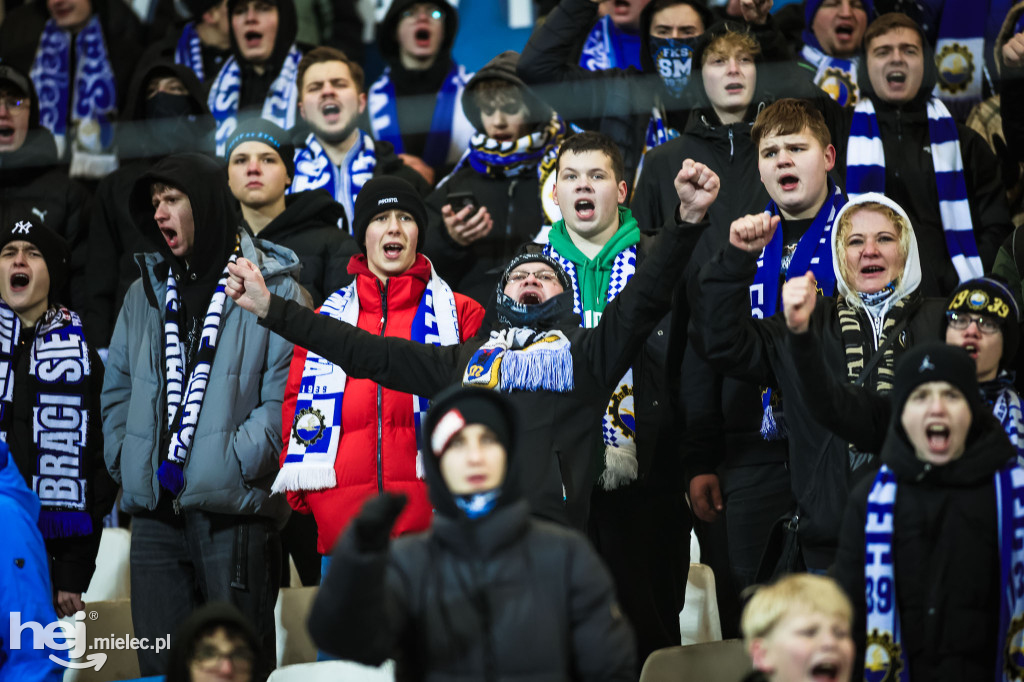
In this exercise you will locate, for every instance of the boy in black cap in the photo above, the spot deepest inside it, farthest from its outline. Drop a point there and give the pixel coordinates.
(929, 547)
(312, 224)
(49, 410)
(523, 585)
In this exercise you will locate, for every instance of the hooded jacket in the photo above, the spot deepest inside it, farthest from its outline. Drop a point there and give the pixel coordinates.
(514, 203)
(562, 429)
(377, 449)
(469, 598)
(910, 179)
(233, 458)
(311, 226)
(114, 240)
(255, 87)
(417, 91)
(24, 579)
(757, 351)
(945, 554)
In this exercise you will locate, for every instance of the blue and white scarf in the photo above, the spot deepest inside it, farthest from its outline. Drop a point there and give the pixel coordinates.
(513, 158)
(317, 423)
(865, 160)
(93, 93)
(58, 373)
(314, 169)
(837, 77)
(183, 406)
(884, 657)
(279, 106)
(1006, 407)
(522, 359)
(384, 115)
(608, 48)
(814, 253)
(189, 51)
(618, 424)
(658, 133)
(960, 52)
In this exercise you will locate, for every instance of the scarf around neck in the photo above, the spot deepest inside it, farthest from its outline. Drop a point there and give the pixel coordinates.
(1006, 407)
(314, 169)
(836, 76)
(514, 158)
(58, 372)
(606, 47)
(279, 106)
(189, 51)
(93, 91)
(317, 422)
(865, 172)
(522, 359)
(183, 406)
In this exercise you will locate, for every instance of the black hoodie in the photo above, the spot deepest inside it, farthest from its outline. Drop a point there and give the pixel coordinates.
(311, 226)
(256, 86)
(114, 238)
(216, 223)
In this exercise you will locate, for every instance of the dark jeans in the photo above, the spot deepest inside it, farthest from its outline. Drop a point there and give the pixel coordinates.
(178, 564)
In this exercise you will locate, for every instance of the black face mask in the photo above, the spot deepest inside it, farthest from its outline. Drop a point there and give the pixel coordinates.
(554, 312)
(673, 61)
(166, 105)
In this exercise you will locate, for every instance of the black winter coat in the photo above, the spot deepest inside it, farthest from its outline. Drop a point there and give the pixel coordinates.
(312, 226)
(562, 430)
(946, 556)
(506, 597)
(757, 351)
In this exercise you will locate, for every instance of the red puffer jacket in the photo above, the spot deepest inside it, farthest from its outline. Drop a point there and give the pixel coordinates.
(367, 464)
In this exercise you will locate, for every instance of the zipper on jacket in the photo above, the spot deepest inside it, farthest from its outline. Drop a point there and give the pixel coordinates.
(732, 146)
(382, 289)
(899, 124)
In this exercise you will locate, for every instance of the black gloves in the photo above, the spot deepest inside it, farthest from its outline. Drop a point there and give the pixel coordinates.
(372, 527)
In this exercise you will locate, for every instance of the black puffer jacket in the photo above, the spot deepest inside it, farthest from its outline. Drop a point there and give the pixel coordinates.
(501, 597)
(313, 226)
(562, 430)
(946, 555)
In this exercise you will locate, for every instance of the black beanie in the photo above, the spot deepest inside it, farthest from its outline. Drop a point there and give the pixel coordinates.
(197, 8)
(387, 193)
(23, 225)
(935, 361)
(535, 257)
(270, 134)
(989, 297)
(465, 406)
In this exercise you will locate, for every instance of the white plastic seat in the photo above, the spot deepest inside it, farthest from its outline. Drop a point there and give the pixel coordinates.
(112, 578)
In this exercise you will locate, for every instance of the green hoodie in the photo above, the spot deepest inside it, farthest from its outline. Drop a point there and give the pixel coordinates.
(593, 275)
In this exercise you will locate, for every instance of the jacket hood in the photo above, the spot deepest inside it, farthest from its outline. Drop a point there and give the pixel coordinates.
(12, 484)
(305, 210)
(287, 29)
(206, 618)
(928, 79)
(1008, 30)
(434, 426)
(388, 43)
(39, 149)
(141, 137)
(503, 67)
(647, 17)
(911, 278)
(214, 211)
(695, 92)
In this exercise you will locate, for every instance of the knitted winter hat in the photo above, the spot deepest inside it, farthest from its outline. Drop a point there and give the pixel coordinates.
(22, 225)
(537, 257)
(260, 130)
(935, 361)
(197, 8)
(386, 193)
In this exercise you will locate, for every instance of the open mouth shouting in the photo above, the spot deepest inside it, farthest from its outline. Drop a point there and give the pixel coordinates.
(393, 250)
(331, 111)
(825, 672)
(585, 209)
(896, 77)
(422, 37)
(789, 182)
(20, 282)
(530, 297)
(171, 236)
(253, 39)
(938, 437)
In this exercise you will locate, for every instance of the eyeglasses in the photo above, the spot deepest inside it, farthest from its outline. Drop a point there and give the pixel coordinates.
(546, 276)
(434, 12)
(13, 102)
(209, 657)
(961, 321)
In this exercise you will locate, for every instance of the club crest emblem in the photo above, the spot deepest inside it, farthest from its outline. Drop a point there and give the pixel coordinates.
(308, 426)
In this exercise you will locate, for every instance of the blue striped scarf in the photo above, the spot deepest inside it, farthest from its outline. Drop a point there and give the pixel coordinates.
(189, 51)
(658, 133)
(865, 172)
(837, 77)
(314, 169)
(608, 48)
(183, 406)
(814, 253)
(1006, 407)
(279, 106)
(883, 656)
(93, 93)
(383, 110)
